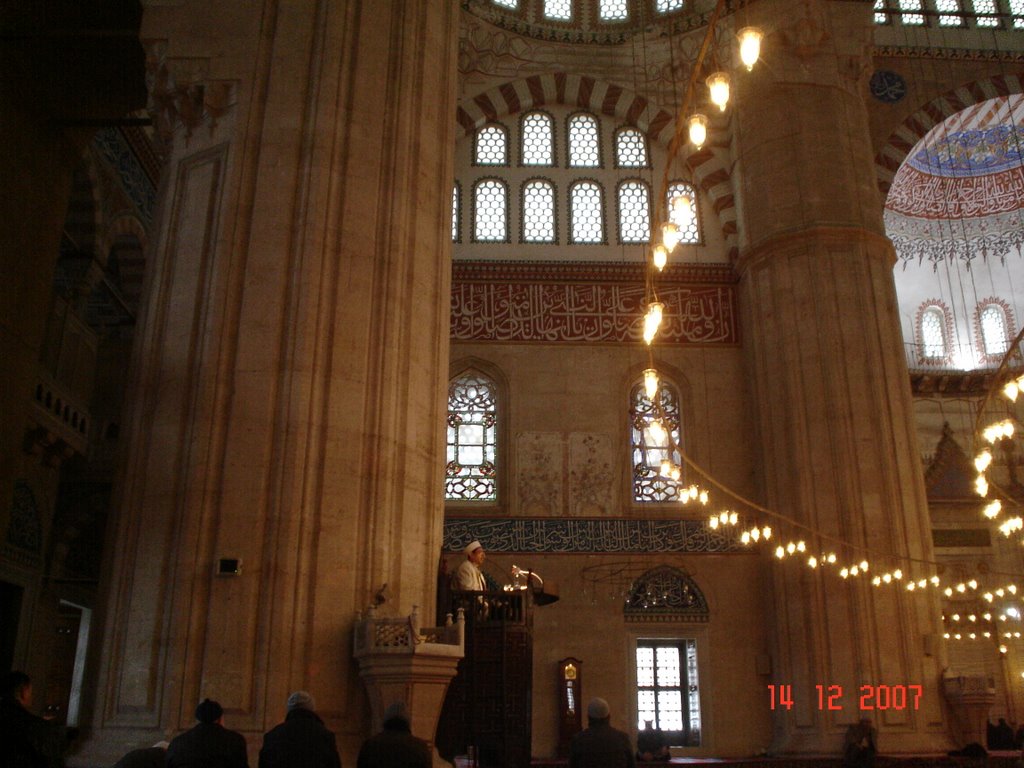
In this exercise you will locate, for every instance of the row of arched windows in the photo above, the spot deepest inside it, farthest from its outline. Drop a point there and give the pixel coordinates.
(585, 203)
(473, 457)
(949, 13)
(537, 143)
(607, 10)
(994, 326)
(505, 198)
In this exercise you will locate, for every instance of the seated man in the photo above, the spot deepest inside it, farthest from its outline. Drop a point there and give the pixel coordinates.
(650, 744)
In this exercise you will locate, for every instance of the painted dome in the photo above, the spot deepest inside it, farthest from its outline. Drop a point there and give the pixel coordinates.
(960, 191)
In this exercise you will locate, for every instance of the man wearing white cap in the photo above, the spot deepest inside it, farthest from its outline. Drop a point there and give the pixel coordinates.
(600, 746)
(468, 576)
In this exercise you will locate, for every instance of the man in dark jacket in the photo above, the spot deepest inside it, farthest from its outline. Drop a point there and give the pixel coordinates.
(600, 745)
(26, 740)
(209, 744)
(301, 741)
(395, 746)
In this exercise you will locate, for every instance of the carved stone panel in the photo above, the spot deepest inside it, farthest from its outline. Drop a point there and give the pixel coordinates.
(540, 458)
(591, 478)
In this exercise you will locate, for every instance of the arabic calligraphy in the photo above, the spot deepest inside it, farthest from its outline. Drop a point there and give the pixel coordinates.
(586, 312)
(573, 536)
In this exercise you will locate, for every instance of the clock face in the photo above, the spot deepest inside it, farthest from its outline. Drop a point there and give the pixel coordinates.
(887, 86)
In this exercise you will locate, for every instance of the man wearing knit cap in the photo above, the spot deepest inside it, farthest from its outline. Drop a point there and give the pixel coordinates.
(302, 740)
(395, 746)
(468, 576)
(600, 745)
(209, 744)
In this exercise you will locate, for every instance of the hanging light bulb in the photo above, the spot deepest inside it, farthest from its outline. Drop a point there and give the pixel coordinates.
(863, 565)
(698, 130)
(650, 383)
(670, 236)
(1011, 389)
(713, 523)
(718, 87)
(766, 532)
(982, 460)
(750, 46)
(676, 473)
(666, 465)
(657, 432)
(812, 561)
(745, 538)
(755, 533)
(682, 210)
(981, 486)
(660, 257)
(780, 552)
(652, 320)
(992, 509)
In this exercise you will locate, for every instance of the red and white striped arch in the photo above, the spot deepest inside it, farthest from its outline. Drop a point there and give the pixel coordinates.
(709, 166)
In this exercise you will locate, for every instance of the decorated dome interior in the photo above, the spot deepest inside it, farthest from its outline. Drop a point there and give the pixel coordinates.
(589, 21)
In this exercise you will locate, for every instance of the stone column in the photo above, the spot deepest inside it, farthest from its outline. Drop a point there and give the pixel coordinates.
(839, 450)
(289, 404)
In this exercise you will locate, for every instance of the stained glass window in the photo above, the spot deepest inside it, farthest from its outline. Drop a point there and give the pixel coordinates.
(630, 149)
(537, 139)
(993, 330)
(881, 17)
(513, 4)
(634, 212)
(689, 228)
(584, 142)
(455, 212)
(472, 440)
(614, 10)
(668, 693)
(490, 211)
(666, 6)
(558, 9)
(933, 334)
(538, 212)
(491, 146)
(586, 212)
(650, 447)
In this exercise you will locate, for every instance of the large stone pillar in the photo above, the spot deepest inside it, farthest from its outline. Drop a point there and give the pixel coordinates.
(839, 450)
(288, 408)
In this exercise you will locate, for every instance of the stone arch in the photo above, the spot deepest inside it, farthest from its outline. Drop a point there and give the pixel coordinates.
(709, 165)
(910, 131)
(665, 594)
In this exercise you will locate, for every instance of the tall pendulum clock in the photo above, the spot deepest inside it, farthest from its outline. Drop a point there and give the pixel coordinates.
(570, 703)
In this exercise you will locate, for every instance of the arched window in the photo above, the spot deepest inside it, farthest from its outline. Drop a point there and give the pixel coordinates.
(614, 10)
(456, 200)
(490, 211)
(537, 139)
(689, 228)
(986, 13)
(491, 146)
(994, 329)
(912, 12)
(949, 13)
(586, 212)
(558, 9)
(471, 462)
(584, 142)
(634, 212)
(538, 211)
(934, 344)
(630, 148)
(650, 446)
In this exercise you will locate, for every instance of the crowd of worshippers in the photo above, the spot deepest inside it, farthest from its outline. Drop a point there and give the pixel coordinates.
(30, 741)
